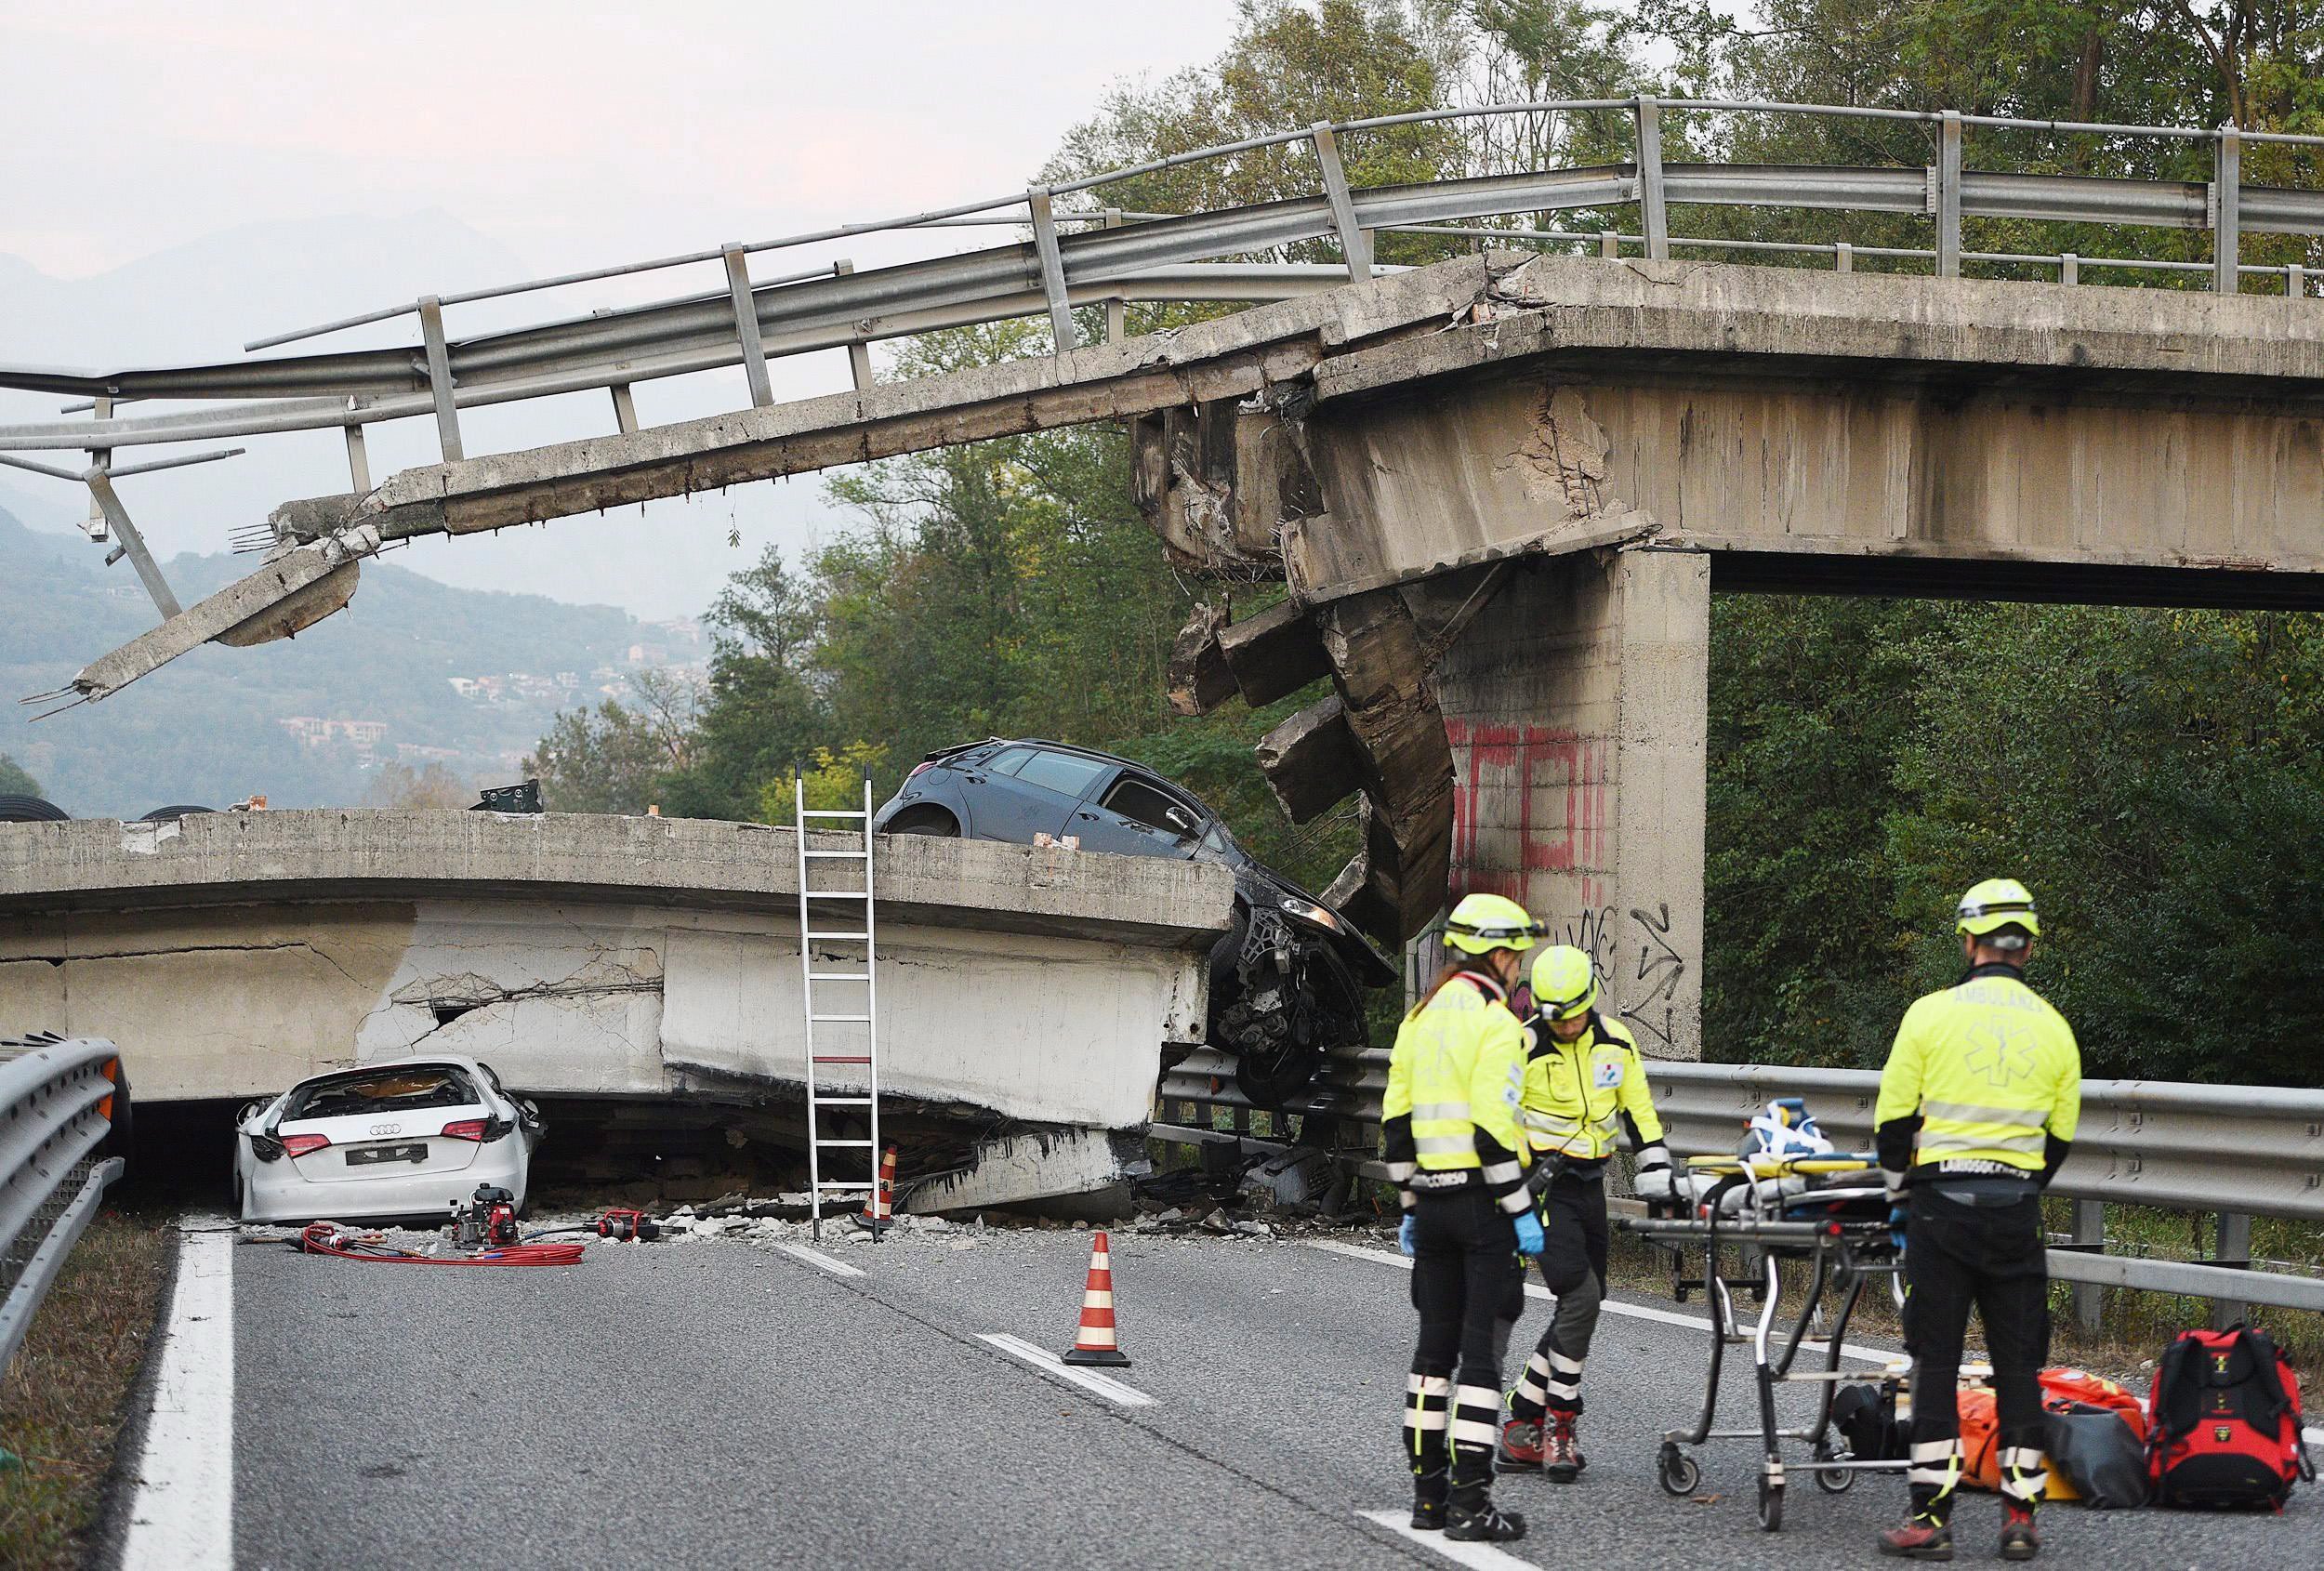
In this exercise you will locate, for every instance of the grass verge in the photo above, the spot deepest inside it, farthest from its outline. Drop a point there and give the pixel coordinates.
(61, 1400)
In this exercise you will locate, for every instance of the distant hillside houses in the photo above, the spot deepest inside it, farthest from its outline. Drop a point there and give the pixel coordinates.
(364, 736)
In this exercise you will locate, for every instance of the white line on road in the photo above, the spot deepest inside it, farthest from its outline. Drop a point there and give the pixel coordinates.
(183, 1515)
(1535, 1291)
(1050, 1364)
(817, 1257)
(1485, 1557)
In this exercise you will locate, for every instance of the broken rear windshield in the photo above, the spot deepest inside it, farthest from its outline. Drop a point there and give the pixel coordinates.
(382, 1090)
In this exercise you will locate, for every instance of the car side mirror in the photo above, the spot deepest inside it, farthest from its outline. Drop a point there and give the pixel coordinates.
(1179, 821)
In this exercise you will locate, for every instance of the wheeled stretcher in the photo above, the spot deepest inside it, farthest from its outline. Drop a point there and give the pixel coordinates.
(1747, 1215)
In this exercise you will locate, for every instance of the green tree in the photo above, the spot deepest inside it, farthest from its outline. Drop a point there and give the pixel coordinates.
(14, 781)
(617, 758)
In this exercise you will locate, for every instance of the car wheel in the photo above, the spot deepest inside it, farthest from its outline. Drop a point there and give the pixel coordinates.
(31, 810)
(925, 821)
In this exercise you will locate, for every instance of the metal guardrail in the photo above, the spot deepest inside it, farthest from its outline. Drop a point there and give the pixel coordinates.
(2236, 1150)
(1150, 258)
(60, 1099)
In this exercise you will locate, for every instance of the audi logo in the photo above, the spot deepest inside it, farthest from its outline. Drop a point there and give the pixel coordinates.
(387, 1128)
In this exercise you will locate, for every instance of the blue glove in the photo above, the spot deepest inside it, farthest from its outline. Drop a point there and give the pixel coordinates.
(1529, 1239)
(1404, 1234)
(1898, 1215)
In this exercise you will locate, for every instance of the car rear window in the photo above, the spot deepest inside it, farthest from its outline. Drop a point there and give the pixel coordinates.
(1061, 772)
(406, 1086)
(1008, 760)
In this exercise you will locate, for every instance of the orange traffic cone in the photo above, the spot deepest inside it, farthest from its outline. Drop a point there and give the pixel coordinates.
(1097, 1344)
(879, 1205)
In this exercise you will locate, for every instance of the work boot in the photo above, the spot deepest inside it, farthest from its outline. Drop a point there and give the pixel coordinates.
(1562, 1459)
(2019, 1541)
(1483, 1522)
(1521, 1446)
(1429, 1488)
(1921, 1537)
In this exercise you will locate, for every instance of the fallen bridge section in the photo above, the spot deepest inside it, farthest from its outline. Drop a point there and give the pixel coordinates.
(1020, 990)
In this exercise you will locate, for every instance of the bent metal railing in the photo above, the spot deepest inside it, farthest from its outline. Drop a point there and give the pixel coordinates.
(60, 1100)
(2235, 1151)
(1108, 258)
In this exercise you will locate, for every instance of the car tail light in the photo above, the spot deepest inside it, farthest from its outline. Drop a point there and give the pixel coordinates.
(465, 1128)
(299, 1146)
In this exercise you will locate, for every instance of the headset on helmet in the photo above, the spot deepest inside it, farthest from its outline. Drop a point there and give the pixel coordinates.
(1564, 982)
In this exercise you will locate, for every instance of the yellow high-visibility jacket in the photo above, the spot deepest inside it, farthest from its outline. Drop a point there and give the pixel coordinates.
(1455, 1079)
(1578, 1093)
(1992, 1073)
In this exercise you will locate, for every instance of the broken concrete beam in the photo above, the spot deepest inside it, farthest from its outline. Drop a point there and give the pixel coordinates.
(1199, 681)
(1311, 762)
(1381, 667)
(1217, 482)
(1353, 896)
(1274, 653)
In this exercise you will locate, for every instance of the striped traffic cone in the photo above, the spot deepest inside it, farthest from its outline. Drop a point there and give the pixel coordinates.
(1097, 1344)
(879, 1205)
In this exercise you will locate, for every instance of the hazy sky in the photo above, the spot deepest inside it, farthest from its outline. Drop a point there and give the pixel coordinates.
(308, 160)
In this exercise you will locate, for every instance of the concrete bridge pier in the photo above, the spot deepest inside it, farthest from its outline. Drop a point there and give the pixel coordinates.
(1576, 704)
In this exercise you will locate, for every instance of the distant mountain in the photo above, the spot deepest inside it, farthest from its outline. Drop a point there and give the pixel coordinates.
(208, 729)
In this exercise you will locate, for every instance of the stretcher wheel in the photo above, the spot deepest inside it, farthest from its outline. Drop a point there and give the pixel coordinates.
(1770, 1505)
(1834, 1480)
(1676, 1472)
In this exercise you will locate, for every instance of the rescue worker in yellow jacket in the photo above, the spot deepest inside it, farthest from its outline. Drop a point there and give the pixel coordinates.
(1977, 1109)
(1585, 1085)
(1449, 1136)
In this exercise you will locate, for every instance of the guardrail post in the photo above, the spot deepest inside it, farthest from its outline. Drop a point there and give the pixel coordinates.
(1061, 311)
(2233, 1248)
(859, 364)
(625, 408)
(1354, 245)
(2226, 206)
(1949, 195)
(1609, 245)
(1649, 114)
(2090, 1233)
(2295, 280)
(1117, 314)
(358, 459)
(1844, 258)
(440, 379)
(747, 324)
(2070, 269)
(98, 458)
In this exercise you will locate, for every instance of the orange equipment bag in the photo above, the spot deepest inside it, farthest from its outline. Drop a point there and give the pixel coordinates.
(1980, 1427)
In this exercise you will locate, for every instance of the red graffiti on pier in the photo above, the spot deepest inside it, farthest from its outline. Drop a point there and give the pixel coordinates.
(1491, 757)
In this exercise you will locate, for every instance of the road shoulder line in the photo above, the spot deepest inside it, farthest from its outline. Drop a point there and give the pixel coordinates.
(182, 1517)
(818, 1259)
(1482, 1557)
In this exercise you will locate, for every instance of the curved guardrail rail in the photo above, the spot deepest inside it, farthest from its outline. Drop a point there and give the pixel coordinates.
(1118, 256)
(60, 1099)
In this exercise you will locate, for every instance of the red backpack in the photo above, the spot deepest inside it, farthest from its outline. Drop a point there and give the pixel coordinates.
(2225, 1416)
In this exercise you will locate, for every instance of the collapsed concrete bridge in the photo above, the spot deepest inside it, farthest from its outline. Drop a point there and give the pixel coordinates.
(1028, 995)
(1500, 493)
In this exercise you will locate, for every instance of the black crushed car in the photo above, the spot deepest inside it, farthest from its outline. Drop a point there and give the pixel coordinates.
(1286, 982)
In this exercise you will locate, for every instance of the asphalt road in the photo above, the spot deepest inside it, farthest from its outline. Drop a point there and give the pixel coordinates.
(715, 1401)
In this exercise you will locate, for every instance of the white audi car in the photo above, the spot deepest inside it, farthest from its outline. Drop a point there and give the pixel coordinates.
(404, 1138)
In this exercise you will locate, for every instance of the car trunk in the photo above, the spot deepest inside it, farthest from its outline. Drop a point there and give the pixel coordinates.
(387, 1123)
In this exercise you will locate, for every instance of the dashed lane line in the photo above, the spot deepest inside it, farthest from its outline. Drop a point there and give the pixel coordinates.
(1535, 1291)
(1050, 1364)
(817, 1257)
(1484, 1557)
(182, 1517)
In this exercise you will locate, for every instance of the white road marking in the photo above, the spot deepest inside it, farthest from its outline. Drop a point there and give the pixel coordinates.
(1635, 1311)
(183, 1515)
(1485, 1557)
(1050, 1364)
(817, 1257)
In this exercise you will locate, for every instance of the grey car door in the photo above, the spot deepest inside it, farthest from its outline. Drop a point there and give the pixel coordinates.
(1133, 813)
(1029, 791)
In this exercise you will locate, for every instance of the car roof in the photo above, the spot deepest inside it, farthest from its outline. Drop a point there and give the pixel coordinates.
(1066, 748)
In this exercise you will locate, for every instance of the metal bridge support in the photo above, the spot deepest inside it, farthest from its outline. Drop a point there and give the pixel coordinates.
(1577, 703)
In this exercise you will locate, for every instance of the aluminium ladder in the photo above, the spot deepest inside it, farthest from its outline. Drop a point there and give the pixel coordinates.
(853, 1009)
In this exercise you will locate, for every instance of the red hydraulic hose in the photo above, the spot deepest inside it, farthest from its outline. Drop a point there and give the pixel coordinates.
(329, 1238)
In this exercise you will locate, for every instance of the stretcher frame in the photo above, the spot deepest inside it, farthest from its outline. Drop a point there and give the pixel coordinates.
(1845, 1257)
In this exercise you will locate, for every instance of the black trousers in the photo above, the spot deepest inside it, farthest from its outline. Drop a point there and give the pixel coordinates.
(1573, 1267)
(1991, 1257)
(1469, 1288)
